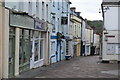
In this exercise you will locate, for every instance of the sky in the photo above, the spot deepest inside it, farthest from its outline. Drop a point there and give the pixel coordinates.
(89, 8)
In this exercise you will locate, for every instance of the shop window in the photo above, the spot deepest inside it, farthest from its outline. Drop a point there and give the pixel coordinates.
(24, 49)
(52, 47)
(11, 51)
(41, 49)
(36, 50)
(38, 46)
(36, 34)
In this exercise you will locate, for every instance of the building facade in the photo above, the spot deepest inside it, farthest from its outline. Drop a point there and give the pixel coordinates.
(60, 18)
(96, 43)
(76, 22)
(111, 44)
(26, 32)
(87, 39)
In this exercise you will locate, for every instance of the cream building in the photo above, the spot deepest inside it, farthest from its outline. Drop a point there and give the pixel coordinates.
(23, 33)
(76, 22)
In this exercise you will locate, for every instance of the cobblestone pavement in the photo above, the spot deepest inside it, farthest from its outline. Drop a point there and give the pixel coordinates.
(79, 67)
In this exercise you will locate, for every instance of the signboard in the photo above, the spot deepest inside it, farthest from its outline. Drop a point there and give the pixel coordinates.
(21, 20)
(110, 36)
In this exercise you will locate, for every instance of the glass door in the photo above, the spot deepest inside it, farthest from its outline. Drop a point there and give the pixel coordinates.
(11, 51)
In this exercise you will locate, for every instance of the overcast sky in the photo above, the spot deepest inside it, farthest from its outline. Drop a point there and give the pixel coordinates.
(89, 8)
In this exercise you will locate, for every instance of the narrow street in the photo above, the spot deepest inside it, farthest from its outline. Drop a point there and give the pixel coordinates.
(79, 67)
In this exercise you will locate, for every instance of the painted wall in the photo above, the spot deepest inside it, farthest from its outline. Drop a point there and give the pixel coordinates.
(110, 40)
(1, 41)
(4, 42)
(89, 39)
(111, 18)
(77, 22)
(96, 40)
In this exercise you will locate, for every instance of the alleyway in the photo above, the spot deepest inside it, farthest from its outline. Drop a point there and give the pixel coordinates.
(79, 67)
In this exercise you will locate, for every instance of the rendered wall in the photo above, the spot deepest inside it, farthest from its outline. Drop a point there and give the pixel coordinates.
(1, 34)
(106, 55)
(111, 18)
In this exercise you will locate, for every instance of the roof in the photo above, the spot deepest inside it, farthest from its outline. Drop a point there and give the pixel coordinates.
(111, 2)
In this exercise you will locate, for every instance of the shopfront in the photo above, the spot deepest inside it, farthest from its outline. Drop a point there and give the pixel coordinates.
(37, 57)
(26, 44)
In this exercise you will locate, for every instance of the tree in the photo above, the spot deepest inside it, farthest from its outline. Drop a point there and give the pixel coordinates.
(97, 25)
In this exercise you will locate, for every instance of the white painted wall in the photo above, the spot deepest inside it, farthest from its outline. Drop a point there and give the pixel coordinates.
(106, 55)
(111, 18)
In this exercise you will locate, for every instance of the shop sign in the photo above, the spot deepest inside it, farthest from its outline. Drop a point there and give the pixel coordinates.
(21, 20)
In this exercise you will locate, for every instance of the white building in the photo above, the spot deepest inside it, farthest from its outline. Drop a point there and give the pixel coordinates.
(60, 19)
(96, 43)
(111, 44)
(87, 38)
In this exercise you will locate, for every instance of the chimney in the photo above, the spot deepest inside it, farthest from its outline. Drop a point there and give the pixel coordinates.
(73, 9)
(77, 13)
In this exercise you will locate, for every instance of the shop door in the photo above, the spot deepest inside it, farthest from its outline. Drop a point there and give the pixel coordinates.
(25, 50)
(11, 51)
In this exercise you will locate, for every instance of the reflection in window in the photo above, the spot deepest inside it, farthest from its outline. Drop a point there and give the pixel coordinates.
(25, 48)
(36, 50)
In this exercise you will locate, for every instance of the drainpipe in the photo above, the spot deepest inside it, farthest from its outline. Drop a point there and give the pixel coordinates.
(101, 35)
(81, 37)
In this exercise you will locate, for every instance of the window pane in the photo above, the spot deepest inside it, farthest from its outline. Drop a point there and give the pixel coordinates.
(41, 49)
(36, 34)
(24, 49)
(36, 49)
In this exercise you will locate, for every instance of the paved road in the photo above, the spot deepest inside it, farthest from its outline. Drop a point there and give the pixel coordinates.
(79, 67)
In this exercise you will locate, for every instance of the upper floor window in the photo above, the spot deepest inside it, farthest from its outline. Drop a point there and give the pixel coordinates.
(64, 20)
(47, 12)
(53, 23)
(58, 5)
(37, 8)
(53, 3)
(30, 7)
(43, 10)
(21, 6)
